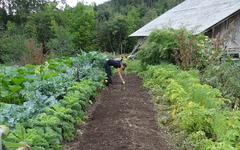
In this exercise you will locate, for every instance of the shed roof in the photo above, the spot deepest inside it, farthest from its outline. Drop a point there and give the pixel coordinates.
(194, 15)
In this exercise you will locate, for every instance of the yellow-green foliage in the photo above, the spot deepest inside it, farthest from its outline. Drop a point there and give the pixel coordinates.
(199, 109)
(134, 66)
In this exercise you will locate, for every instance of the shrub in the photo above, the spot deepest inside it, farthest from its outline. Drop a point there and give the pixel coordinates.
(16, 47)
(12, 48)
(225, 77)
(179, 47)
(158, 47)
(134, 66)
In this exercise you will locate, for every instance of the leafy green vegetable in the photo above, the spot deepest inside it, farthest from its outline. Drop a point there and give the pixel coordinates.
(55, 101)
(198, 109)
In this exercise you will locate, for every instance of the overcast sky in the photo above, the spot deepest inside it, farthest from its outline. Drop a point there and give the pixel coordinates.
(74, 2)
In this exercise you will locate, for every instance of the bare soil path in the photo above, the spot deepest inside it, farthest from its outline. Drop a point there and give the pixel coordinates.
(123, 118)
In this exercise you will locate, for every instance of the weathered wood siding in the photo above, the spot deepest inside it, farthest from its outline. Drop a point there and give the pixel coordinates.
(236, 32)
(227, 30)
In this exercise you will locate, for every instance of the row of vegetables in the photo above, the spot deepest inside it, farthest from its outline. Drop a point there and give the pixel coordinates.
(197, 109)
(43, 104)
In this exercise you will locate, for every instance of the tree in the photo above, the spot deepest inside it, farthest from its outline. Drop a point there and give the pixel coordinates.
(3, 19)
(40, 23)
(115, 33)
(82, 21)
(150, 15)
(12, 45)
(19, 10)
(62, 42)
(133, 19)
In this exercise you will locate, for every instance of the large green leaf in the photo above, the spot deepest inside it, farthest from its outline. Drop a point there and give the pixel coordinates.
(18, 80)
(15, 88)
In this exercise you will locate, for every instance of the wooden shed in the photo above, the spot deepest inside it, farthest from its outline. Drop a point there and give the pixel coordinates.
(214, 18)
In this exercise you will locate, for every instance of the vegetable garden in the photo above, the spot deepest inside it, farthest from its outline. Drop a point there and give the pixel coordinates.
(198, 109)
(192, 81)
(187, 77)
(200, 85)
(43, 104)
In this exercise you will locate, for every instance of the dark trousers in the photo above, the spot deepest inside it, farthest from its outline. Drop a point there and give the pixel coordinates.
(108, 71)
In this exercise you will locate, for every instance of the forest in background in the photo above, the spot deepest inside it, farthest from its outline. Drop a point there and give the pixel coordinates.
(31, 30)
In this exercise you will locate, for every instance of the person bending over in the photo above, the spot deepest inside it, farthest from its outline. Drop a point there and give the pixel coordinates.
(119, 65)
